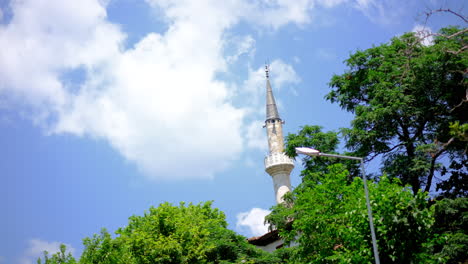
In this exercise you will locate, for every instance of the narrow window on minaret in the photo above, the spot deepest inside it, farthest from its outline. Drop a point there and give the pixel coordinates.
(274, 127)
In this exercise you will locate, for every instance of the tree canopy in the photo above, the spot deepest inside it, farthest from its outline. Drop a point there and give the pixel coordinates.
(61, 257)
(172, 234)
(410, 105)
(325, 216)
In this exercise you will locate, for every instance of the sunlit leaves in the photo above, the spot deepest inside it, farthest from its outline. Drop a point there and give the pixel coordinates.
(406, 95)
(61, 257)
(174, 234)
(330, 221)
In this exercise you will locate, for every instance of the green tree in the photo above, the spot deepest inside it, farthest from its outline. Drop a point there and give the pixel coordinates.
(174, 234)
(61, 257)
(330, 222)
(449, 242)
(410, 105)
(327, 142)
(326, 216)
(103, 249)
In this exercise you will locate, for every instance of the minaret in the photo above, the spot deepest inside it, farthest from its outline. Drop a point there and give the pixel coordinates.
(277, 164)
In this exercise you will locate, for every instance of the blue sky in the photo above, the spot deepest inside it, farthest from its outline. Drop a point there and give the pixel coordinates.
(109, 107)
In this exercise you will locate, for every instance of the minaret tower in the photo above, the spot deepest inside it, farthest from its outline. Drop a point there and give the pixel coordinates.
(277, 164)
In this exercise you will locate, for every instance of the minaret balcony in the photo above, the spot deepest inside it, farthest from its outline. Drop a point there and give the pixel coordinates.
(279, 160)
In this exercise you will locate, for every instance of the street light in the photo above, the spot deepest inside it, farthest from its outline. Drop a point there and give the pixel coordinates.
(315, 153)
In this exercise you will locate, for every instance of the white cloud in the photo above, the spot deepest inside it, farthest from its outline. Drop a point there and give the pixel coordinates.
(243, 45)
(36, 248)
(331, 3)
(383, 12)
(157, 103)
(255, 136)
(44, 39)
(254, 221)
(424, 33)
(281, 74)
(163, 108)
(275, 13)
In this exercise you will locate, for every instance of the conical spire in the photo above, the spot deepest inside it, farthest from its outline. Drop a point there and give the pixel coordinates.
(271, 110)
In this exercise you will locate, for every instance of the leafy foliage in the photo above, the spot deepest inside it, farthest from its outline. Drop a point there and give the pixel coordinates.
(174, 234)
(60, 257)
(403, 221)
(103, 249)
(331, 223)
(410, 105)
(449, 243)
(327, 142)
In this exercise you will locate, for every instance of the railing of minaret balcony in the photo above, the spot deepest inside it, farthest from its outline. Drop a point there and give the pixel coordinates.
(277, 158)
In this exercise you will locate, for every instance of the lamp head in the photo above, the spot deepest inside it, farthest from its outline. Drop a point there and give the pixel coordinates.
(307, 151)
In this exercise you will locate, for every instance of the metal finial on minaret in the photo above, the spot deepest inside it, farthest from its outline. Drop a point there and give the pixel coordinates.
(277, 164)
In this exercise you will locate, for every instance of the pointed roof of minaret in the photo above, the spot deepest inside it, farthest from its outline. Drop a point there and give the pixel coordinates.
(271, 110)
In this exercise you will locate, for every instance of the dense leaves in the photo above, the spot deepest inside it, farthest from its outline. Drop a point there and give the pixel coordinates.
(325, 219)
(326, 142)
(410, 105)
(174, 234)
(103, 249)
(330, 221)
(170, 234)
(450, 238)
(61, 257)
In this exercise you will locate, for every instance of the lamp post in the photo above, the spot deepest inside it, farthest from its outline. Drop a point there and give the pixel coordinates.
(315, 153)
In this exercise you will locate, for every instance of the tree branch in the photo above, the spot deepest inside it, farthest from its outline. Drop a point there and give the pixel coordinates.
(390, 150)
(419, 130)
(447, 10)
(464, 100)
(458, 51)
(433, 163)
